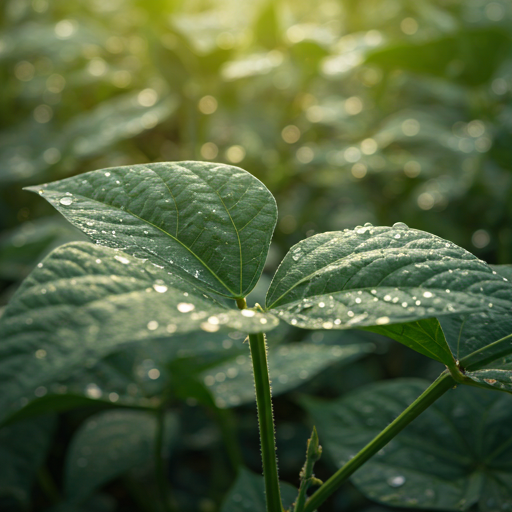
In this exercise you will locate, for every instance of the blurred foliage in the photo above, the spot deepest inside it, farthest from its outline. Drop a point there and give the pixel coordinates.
(350, 111)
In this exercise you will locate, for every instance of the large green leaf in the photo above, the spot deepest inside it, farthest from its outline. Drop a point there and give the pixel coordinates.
(378, 276)
(85, 301)
(209, 223)
(248, 494)
(23, 448)
(108, 445)
(455, 454)
(290, 365)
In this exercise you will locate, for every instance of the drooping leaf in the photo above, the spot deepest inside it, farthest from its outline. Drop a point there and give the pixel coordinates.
(290, 365)
(85, 302)
(248, 494)
(23, 448)
(425, 336)
(456, 454)
(108, 445)
(378, 276)
(210, 224)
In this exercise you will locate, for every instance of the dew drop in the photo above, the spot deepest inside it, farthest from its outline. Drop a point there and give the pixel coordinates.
(396, 481)
(428, 295)
(400, 225)
(382, 320)
(122, 259)
(248, 313)
(397, 236)
(160, 288)
(153, 325)
(66, 201)
(185, 307)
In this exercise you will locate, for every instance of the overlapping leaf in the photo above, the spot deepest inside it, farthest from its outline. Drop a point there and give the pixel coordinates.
(211, 224)
(23, 448)
(378, 276)
(456, 454)
(290, 365)
(248, 494)
(85, 301)
(108, 445)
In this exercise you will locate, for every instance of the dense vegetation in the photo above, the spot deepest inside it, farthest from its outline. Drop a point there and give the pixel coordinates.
(349, 112)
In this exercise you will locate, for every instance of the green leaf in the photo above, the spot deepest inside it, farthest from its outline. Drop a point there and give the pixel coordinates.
(479, 51)
(455, 454)
(425, 336)
(248, 494)
(379, 276)
(108, 445)
(483, 339)
(23, 448)
(210, 224)
(86, 301)
(290, 365)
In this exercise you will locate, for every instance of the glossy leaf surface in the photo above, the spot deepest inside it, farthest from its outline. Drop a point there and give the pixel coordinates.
(468, 334)
(290, 365)
(108, 445)
(379, 276)
(456, 454)
(86, 301)
(425, 336)
(248, 494)
(211, 224)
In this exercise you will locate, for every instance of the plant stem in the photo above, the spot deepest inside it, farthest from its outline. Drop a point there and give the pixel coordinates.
(438, 388)
(160, 471)
(313, 453)
(266, 421)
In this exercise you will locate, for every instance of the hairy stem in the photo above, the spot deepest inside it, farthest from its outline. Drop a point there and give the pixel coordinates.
(160, 471)
(266, 421)
(443, 383)
(313, 453)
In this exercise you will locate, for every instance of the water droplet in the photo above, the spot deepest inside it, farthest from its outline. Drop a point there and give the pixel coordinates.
(397, 236)
(248, 313)
(428, 295)
(66, 201)
(171, 328)
(400, 225)
(41, 353)
(153, 325)
(107, 174)
(321, 304)
(160, 288)
(208, 327)
(358, 300)
(154, 373)
(396, 481)
(387, 298)
(382, 320)
(93, 391)
(122, 259)
(185, 307)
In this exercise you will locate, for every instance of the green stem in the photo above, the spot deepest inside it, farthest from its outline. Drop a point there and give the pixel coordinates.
(160, 471)
(438, 388)
(266, 421)
(313, 453)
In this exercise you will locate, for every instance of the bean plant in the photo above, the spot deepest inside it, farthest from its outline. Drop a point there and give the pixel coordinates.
(177, 248)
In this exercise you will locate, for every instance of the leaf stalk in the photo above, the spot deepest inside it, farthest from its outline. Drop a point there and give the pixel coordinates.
(266, 421)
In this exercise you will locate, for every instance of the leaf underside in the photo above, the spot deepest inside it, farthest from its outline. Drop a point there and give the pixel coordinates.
(86, 301)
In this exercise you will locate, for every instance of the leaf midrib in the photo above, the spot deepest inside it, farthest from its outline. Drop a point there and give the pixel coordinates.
(320, 270)
(170, 236)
